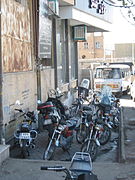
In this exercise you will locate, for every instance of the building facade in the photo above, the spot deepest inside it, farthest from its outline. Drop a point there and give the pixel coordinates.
(38, 51)
(125, 52)
(93, 47)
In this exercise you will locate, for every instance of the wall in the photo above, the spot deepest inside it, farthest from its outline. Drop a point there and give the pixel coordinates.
(47, 82)
(19, 77)
(125, 50)
(17, 86)
(91, 52)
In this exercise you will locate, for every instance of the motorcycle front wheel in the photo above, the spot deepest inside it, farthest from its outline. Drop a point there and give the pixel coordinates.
(105, 135)
(92, 149)
(81, 133)
(48, 153)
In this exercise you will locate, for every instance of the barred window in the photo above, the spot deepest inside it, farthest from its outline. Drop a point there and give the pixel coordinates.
(97, 45)
(86, 45)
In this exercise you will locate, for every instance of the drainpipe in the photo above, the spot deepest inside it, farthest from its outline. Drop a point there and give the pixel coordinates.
(37, 52)
(55, 53)
(35, 4)
(1, 104)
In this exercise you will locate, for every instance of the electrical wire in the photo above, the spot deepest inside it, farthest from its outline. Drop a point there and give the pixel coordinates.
(126, 18)
(122, 6)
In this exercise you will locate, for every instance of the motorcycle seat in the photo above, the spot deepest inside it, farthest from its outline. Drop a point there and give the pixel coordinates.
(87, 176)
(86, 108)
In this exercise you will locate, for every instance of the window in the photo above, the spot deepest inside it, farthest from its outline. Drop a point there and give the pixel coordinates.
(61, 53)
(86, 45)
(108, 73)
(73, 59)
(97, 45)
(46, 35)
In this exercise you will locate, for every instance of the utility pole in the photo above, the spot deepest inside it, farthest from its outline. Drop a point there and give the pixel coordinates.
(1, 79)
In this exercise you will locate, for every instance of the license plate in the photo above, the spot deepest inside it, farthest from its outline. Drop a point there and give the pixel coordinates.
(47, 121)
(24, 135)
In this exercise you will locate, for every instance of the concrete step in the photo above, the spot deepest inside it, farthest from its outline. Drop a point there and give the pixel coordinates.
(4, 152)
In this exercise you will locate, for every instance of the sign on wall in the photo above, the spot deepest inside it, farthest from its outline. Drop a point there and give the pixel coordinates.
(54, 6)
(45, 31)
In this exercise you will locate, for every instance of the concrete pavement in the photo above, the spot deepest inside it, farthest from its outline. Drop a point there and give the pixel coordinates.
(18, 169)
(24, 169)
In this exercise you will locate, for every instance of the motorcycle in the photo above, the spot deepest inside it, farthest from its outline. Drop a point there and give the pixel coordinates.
(109, 108)
(25, 134)
(92, 142)
(83, 89)
(48, 116)
(62, 137)
(83, 124)
(54, 97)
(80, 168)
(77, 106)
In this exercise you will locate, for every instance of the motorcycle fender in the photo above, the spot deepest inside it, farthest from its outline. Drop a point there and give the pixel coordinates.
(97, 142)
(109, 125)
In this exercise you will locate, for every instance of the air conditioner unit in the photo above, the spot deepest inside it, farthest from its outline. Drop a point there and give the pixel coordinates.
(80, 32)
(54, 6)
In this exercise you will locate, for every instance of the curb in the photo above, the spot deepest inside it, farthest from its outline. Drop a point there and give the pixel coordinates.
(121, 145)
(4, 153)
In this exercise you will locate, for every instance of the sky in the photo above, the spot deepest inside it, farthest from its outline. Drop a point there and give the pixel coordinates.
(122, 31)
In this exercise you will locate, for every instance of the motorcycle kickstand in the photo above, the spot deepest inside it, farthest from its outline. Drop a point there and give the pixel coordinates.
(28, 152)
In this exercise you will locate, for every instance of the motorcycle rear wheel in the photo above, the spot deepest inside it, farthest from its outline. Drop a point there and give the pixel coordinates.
(24, 149)
(92, 149)
(48, 155)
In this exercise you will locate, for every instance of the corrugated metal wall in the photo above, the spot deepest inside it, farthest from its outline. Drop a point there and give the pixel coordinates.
(16, 39)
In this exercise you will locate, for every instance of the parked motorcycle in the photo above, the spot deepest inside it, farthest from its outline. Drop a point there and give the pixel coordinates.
(80, 168)
(25, 134)
(62, 137)
(92, 142)
(109, 110)
(83, 124)
(48, 116)
(77, 106)
(54, 97)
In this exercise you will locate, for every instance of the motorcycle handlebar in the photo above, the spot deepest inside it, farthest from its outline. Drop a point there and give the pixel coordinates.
(29, 114)
(20, 110)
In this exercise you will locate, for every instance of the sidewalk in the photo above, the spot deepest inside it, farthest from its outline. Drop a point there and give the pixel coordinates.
(18, 169)
(24, 169)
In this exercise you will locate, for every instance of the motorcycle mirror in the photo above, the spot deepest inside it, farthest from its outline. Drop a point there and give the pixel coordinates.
(58, 90)
(17, 102)
(39, 101)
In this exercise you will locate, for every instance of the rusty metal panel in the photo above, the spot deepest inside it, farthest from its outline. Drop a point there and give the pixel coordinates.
(16, 36)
